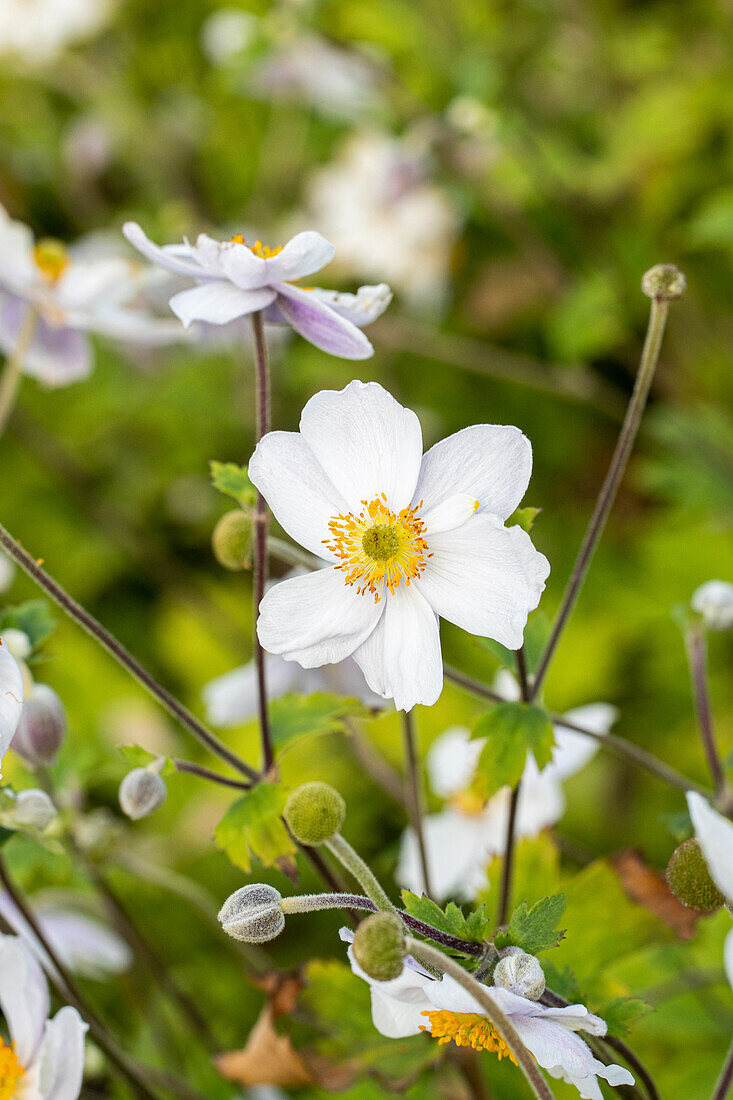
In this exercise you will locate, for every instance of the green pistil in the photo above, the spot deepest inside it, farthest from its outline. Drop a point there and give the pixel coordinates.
(380, 543)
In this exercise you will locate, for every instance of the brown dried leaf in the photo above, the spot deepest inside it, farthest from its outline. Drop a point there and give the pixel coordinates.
(267, 1058)
(649, 888)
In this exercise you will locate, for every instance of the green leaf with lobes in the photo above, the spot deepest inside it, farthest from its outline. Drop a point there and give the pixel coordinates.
(253, 826)
(511, 731)
(233, 481)
(32, 617)
(450, 919)
(534, 929)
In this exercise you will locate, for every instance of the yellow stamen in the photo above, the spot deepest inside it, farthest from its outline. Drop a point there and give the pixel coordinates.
(11, 1071)
(262, 250)
(379, 548)
(467, 1029)
(469, 802)
(51, 258)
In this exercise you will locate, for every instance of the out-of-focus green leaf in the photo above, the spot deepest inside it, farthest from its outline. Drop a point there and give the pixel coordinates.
(139, 757)
(34, 618)
(534, 929)
(511, 731)
(253, 826)
(295, 716)
(524, 518)
(451, 919)
(621, 1012)
(234, 481)
(536, 634)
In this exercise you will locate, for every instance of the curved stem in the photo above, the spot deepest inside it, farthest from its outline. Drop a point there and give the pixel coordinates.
(199, 770)
(607, 495)
(430, 956)
(696, 645)
(726, 1078)
(13, 370)
(414, 792)
(361, 872)
(508, 862)
(116, 649)
(259, 571)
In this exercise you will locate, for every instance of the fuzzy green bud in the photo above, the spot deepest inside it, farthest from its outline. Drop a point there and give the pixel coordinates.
(142, 792)
(690, 881)
(232, 540)
(314, 812)
(665, 282)
(379, 947)
(520, 973)
(253, 914)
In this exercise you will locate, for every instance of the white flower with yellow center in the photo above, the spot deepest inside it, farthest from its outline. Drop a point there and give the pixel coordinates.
(11, 697)
(403, 537)
(45, 1058)
(465, 836)
(51, 297)
(36, 31)
(415, 1002)
(234, 279)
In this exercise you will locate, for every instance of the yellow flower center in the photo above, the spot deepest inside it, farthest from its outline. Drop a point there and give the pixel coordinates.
(262, 250)
(11, 1071)
(379, 548)
(469, 802)
(51, 258)
(467, 1029)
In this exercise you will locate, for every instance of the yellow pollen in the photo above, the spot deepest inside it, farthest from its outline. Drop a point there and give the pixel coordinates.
(379, 548)
(51, 258)
(11, 1071)
(469, 802)
(262, 250)
(467, 1029)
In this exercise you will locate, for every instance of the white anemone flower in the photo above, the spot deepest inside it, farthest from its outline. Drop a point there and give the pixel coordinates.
(46, 1058)
(714, 601)
(463, 837)
(234, 279)
(403, 537)
(36, 31)
(442, 1008)
(11, 697)
(55, 296)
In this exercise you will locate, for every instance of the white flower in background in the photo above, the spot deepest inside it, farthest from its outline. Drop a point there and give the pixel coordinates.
(70, 295)
(714, 601)
(45, 1060)
(227, 33)
(82, 943)
(7, 573)
(387, 219)
(404, 538)
(416, 1002)
(11, 697)
(464, 837)
(234, 279)
(36, 31)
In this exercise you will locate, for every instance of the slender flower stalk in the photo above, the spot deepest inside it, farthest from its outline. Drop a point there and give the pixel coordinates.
(199, 770)
(114, 647)
(432, 957)
(12, 374)
(725, 1081)
(696, 645)
(262, 400)
(415, 792)
(508, 861)
(361, 872)
(668, 285)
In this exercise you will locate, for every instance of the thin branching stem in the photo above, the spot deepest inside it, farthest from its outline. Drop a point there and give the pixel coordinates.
(725, 1080)
(415, 793)
(698, 659)
(12, 374)
(507, 868)
(199, 770)
(259, 576)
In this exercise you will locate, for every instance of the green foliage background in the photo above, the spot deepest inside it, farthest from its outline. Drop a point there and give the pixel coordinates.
(613, 151)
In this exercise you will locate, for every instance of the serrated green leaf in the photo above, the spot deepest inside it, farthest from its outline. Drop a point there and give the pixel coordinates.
(536, 634)
(534, 929)
(511, 731)
(253, 826)
(33, 617)
(139, 757)
(295, 716)
(524, 518)
(233, 481)
(620, 1012)
(451, 919)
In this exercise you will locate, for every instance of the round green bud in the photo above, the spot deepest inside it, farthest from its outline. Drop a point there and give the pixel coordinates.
(665, 282)
(314, 812)
(379, 947)
(690, 881)
(253, 914)
(232, 540)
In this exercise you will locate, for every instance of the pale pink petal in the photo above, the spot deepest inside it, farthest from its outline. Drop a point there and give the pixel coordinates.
(321, 325)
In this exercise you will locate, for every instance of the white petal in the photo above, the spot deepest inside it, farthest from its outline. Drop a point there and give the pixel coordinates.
(456, 856)
(57, 355)
(401, 659)
(485, 578)
(231, 699)
(83, 944)
(23, 997)
(361, 308)
(451, 761)
(86, 283)
(218, 303)
(397, 1006)
(316, 619)
(715, 834)
(302, 497)
(366, 441)
(238, 262)
(491, 462)
(320, 325)
(11, 697)
(507, 686)
(17, 267)
(572, 751)
(169, 257)
(541, 802)
(346, 678)
(303, 255)
(62, 1056)
(449, 514)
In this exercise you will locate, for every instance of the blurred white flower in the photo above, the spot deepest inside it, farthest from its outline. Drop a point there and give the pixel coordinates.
(387, 219)
(310, 69)
(70, 295)
(714, 601)
(463, 838)
(45, 1060)
(18, 643)
(11, 697)
(33, 809)
(36, 31)
(227, 33)
(7, 572)
(403, 537)
(87, 147)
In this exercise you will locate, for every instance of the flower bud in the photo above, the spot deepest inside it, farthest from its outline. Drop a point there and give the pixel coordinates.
(232, 540)
(253, 914)
(42, 726)
(379, 946)
(314, 812)
(18, 643)
(714, 601)
(690, 881)
(34, 809)
(665, 282)
(142, 792)
(520, 973)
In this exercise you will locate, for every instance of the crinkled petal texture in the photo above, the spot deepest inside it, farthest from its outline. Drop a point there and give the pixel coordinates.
(56, 357)
(24, 997)
(62, 1056)
(715, 834)
(11, 697)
